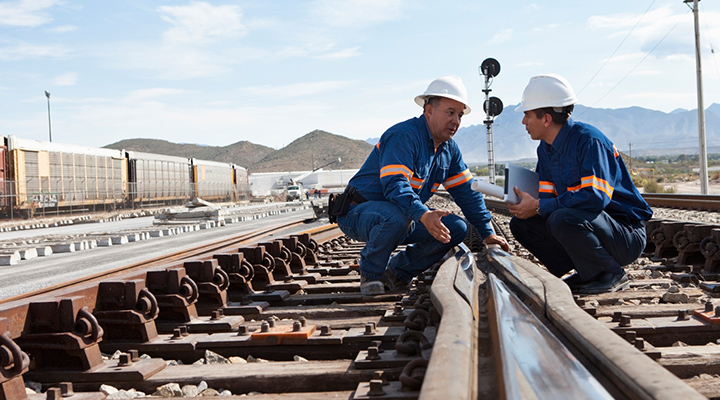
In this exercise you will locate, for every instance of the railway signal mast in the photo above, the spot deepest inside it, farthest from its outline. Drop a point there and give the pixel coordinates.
(492, 106)
(701, 108)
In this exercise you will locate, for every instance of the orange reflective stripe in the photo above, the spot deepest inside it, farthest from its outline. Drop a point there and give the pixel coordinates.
(435, 187)
(396, 169)
(598, 184)
(378, 145)
(547, 187)
(458, 179)
(595, 182)
(416, 183)
(616, 152)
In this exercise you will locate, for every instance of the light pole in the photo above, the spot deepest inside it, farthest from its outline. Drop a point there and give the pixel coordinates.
(47, 94)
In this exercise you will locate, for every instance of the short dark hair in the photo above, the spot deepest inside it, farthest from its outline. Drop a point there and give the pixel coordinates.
(558, 117)
(432, 100)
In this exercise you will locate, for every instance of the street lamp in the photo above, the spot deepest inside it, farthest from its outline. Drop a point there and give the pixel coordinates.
(47, 94)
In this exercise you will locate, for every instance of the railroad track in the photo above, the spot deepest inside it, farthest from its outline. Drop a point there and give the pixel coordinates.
(481, 324)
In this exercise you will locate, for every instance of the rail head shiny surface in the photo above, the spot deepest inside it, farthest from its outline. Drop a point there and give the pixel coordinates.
(632, 372)
(534, 362)
(451, 371)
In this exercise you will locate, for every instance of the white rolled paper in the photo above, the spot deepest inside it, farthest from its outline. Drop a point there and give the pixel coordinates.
(488, 189)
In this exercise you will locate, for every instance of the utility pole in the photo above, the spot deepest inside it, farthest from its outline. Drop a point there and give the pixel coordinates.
(630, 155)
(701, 108)
(47, 94)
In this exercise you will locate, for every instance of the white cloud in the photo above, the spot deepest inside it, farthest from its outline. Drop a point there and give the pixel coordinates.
(297, 89)
(356, 13)
(531, 7)
(68, 79)
(503, 36)
(64, 29)
(342, 54)
(200, 21)
(145, 94)
(168, 62)
(26, 13)
(23, 50)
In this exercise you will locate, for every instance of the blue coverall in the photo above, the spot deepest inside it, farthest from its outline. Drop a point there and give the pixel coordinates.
(592, 217)
(401, 173)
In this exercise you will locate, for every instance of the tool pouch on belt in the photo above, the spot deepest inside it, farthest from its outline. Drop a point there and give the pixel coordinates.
(338, 205)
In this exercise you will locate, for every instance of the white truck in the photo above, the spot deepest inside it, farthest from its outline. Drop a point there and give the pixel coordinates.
(295, 192)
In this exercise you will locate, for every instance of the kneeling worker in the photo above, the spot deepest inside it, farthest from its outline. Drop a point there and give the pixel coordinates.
(386, 197)
(590, 216)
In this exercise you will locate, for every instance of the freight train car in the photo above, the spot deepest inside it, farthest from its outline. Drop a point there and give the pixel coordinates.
(5, 184)
(213, 181)
(49, 175)
(38, 176)
(155, 178)
(241, 181)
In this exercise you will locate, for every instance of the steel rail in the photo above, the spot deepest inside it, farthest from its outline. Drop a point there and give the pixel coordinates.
(687, 201)
(451, 370)
(634, 374)
(532, 360)
(15, 309)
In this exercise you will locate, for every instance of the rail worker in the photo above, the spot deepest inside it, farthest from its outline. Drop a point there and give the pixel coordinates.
(589, 217)
(387, 195)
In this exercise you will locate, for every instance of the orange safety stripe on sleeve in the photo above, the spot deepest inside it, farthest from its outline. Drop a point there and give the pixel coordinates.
(435, 187)
(396, 169)
(378, 145)
(595, 182)
(457, 179)
(616, 152)
(547, 187)
(416, 183)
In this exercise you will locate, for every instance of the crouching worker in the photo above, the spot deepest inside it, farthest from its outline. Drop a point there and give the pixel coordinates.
(385, 199)
(590, 217)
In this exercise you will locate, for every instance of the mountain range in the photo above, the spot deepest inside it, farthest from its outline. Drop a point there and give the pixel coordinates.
(635, 131)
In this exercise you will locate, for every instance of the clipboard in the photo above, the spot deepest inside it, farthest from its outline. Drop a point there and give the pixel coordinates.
(526, 180)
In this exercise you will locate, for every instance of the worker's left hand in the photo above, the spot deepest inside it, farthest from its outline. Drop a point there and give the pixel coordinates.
(495, 239)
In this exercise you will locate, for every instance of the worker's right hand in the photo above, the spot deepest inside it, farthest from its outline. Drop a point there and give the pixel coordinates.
(432, 221)
(526, 208)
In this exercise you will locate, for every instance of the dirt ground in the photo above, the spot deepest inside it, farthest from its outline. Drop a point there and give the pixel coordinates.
(693, 187)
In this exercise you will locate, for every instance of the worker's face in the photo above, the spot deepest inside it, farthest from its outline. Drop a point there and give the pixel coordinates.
(535, 126)
(444, 120)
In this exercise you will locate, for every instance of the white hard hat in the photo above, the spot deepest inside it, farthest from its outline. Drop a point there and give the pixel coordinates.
(548, 90)
(447, 86)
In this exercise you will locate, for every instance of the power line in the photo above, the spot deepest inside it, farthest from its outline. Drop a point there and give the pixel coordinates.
(641, 61)
(618, 47)
(712, 48)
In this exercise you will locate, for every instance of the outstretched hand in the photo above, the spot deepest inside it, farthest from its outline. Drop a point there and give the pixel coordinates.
(432, 221)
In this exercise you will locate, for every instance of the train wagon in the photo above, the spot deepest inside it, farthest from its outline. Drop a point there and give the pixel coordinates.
(213, 181)
(241, 182)
(5, 184)
(155, 178)
(55, 176)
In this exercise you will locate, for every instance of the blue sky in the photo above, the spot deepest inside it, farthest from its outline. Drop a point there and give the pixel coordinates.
(218, 72)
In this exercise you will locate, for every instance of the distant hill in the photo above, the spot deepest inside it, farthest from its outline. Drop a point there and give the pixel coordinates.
(322, 147)
(319, 146)
(241, 153)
